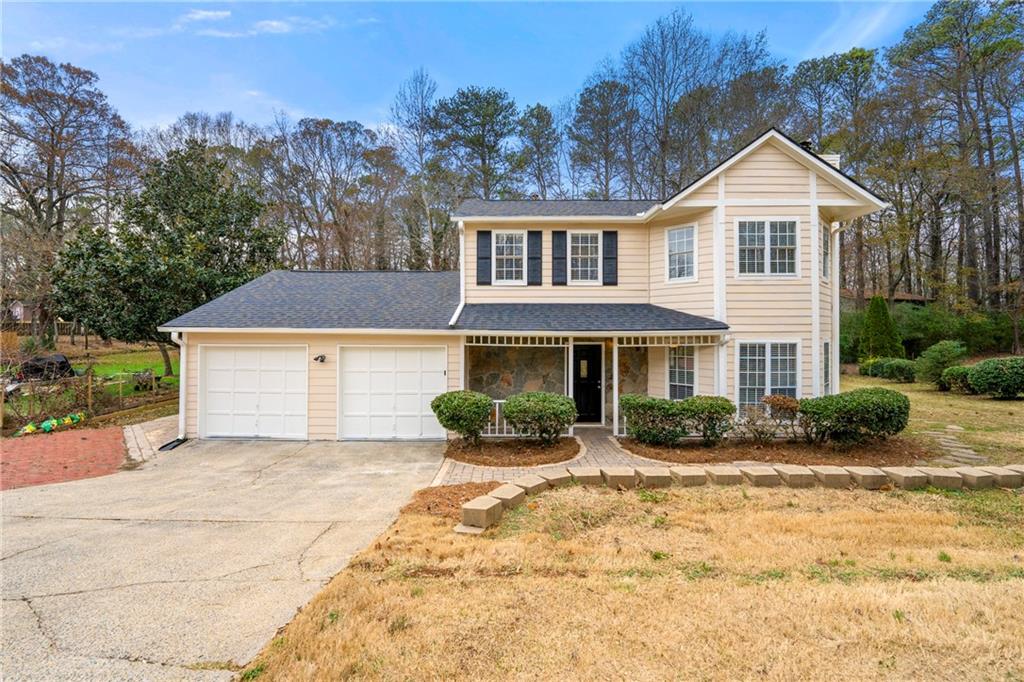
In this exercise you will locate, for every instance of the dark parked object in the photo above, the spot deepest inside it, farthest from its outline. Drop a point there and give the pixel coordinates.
(44, 368)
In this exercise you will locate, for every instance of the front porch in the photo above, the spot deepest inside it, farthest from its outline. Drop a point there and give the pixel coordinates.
(593, 370)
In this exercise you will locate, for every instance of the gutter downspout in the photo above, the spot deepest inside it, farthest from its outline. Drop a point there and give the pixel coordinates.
(182, 369)
(462, 276)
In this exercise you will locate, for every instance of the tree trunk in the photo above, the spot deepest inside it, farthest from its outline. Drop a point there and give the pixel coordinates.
(168, 367)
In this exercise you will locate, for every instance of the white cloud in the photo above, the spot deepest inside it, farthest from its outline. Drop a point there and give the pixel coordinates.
(61, 44)
(273, 27)
(859, 27)
(205, 15)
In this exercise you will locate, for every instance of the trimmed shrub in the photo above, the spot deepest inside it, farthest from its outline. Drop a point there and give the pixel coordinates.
(711, 416)
(464, 412)
(655, 421)
(876, 367)
(937, 357)
(899, 370)
(879, 337)
(756, 424)
(956, 379)
(540, 415)
(1000, 377)
(866, 365)
(856, 416)
(783, 411)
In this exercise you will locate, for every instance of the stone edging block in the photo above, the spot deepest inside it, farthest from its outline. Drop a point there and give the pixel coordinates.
(485, 511)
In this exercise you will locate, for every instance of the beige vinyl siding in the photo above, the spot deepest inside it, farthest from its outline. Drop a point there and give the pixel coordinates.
(767, 173)
(697, 297)
(323, 377)
(632, 269)
(657, 373)
(706, 370)
(829, 191)
(769, 308)
(706, 192)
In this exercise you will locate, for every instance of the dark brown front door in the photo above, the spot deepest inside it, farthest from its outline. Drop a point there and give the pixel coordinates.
(586, 381)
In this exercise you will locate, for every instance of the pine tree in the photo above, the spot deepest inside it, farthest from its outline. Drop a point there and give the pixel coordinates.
(879, 338)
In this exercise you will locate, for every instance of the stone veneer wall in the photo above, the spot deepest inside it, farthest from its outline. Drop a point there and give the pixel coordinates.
(501, 371)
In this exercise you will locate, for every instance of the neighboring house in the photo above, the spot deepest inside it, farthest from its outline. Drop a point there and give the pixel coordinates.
(848, 298)
(730, 287)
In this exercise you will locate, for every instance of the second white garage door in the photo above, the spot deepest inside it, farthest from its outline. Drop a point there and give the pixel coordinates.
(385, 391)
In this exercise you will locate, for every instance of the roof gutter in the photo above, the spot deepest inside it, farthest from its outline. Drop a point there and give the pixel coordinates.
(462, 276)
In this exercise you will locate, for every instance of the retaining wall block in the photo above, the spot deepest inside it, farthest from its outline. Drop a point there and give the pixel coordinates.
(907, 478)
(944, 478)
(976, 479)
(795, 476)
(724, 474)
(481, 512)
(586, 475)
(654, 477)
(689, 476)
(831, 476)
(868, 478)
(1019, 468)
(510, 495)
(532, 484)
(760, 476)
(556, 478)
(1005, 477)
(619, 477)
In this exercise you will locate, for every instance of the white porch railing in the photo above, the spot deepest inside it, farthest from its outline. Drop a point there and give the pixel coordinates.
(498, 426)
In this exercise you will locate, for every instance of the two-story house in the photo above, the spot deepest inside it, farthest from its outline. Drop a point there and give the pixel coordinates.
(730, 288)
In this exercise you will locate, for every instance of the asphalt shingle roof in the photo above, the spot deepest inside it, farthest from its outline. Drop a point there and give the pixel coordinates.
(580, 317)
(333, 300)
(551, 207)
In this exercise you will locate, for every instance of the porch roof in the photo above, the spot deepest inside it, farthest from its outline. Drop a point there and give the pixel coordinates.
(581, 317)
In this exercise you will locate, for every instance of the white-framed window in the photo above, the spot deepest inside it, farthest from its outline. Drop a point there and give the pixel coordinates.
(682, 372)
(766, 368)
(766, 247)
(509, 257)
(826, 251)
(584, 257)
(826, 368)
(681, 253)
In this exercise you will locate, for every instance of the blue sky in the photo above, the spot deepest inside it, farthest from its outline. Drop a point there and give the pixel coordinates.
(344, 61)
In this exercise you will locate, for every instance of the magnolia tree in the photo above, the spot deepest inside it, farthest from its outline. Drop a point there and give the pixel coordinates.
(190, 235)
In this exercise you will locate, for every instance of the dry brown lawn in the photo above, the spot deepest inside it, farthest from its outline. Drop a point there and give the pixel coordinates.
(699, 583)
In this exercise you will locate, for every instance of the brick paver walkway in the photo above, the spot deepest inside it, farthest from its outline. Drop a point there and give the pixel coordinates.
(62, 456)
(602, 451)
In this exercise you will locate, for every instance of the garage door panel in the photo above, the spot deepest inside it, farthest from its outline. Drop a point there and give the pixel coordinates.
(394, 389)
(254, 391)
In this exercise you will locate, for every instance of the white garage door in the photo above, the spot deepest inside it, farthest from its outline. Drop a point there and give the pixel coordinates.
(385, 391)
(253, 392)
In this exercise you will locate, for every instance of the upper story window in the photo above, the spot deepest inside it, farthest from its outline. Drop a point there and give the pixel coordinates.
(826, 251)
(681, 248)
(584, 257)
(766, 247)
(681, 372)
(509, 257)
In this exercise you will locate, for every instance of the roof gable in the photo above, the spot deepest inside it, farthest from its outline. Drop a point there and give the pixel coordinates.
(793, 150)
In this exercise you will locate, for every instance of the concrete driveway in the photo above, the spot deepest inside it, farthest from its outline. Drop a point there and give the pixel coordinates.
(192, 561)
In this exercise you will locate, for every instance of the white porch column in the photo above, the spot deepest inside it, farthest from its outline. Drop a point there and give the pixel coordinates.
(615, 386)
(568, 379)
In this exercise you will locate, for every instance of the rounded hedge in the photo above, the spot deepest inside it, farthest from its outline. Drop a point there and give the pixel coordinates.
(711, 416)
(464, 412)
(856, 416)
(937, 358)
(539, 414)
(956, 379)
(655, 421)
(902, 371)
(999, 377)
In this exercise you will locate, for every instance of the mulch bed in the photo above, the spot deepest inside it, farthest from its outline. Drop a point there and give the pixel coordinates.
(446, 501)
(891, 452)
(513, 452)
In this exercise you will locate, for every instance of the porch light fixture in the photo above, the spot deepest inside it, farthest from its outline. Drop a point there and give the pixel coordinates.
(320, 358)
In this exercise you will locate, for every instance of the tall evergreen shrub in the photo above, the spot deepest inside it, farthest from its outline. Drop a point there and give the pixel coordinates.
(879, 338)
